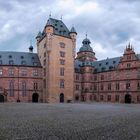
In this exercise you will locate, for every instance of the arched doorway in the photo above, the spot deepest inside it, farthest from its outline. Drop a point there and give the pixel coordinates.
(128, 98)
(77, 98)
(61, 98)
(1, 98)
(35, 98)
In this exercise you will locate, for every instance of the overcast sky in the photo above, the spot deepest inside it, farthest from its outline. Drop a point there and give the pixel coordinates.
(110, 24)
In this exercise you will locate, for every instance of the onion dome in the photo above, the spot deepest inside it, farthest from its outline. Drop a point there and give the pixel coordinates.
(86, 46)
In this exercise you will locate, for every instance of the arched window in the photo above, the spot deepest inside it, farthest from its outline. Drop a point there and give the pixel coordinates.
(11, 88)
(23, 88)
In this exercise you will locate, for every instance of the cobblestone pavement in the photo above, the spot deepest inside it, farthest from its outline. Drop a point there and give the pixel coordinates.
(27, 121)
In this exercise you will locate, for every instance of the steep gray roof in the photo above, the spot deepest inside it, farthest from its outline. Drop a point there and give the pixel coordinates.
(19, 58)
(138, 56)
(59, 27)
(106, 65)
(39, 35)
(100, 66)
(73, 30)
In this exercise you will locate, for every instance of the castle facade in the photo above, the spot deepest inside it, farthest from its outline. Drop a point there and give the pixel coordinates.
(56, 75)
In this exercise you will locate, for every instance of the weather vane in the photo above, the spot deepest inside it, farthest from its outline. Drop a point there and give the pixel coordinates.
(50, 15)
(86, 34)
(61, 17)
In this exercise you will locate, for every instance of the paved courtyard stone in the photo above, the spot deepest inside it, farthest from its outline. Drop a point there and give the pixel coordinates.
(96, 121)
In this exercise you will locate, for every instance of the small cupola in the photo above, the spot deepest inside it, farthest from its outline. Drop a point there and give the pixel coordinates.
(73, 31)
(31, 49)
(86, 46)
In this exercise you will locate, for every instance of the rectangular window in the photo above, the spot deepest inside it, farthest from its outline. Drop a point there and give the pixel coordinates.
(109, 86)
(11, 89)
(128, 86)
(62, 71)
(61, 83)
(95, 87)
(117, 98)
(62, 54)
(23, 72)
(109, 97)
(44, 54)
(62, 45)
(35, 72)
(77, 87)
(62, 62)
(138, 98)
(95, 78)
(128, 65)
(44, 71)
(44, 83)
(1, 71)
(77, 77)
(117, 86)
(138, 85)
(45, 45)
(11, 72)
(101, 97)
(102, 87)
(35, 86)
(23, 89)
(102, 77)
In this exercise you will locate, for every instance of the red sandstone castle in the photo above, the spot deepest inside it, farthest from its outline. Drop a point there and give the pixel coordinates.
(54, 75)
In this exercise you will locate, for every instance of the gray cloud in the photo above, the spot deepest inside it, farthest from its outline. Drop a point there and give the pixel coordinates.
(110, 24)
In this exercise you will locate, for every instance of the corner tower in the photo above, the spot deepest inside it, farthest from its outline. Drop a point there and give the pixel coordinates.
(56, 50)
(86, 51)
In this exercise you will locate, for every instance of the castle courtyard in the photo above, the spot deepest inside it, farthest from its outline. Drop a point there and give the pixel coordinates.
(96, 121)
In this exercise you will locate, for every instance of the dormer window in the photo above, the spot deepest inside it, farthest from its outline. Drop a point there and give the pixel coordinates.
(110, 67)
(22, 57)
(106, 63)
(10, 56)
(35, 63)
(100, 64)
(114, 62)
(23, 62)
(11, 62)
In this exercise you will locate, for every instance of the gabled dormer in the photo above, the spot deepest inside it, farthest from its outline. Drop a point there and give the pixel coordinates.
(129, 59)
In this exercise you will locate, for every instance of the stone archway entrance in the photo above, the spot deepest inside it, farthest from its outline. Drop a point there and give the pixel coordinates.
(61, 98)
(35, 97)
(128, 98)
(1, 98)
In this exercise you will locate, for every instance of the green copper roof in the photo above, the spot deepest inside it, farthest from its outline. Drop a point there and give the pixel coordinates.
(86, 46)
